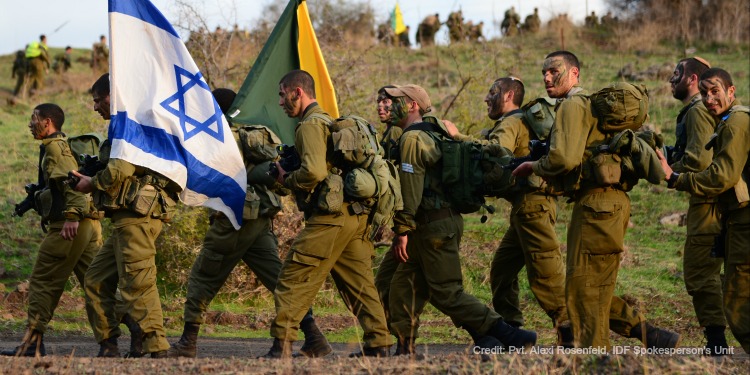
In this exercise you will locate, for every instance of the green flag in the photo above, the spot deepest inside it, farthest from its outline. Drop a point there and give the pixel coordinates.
(257, 102)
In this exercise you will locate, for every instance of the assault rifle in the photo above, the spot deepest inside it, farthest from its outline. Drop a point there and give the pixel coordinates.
(90, 165)
(28, 202)
(290, 160)
(538, 149)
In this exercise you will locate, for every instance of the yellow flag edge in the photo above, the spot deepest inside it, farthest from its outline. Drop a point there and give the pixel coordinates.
(311, 60)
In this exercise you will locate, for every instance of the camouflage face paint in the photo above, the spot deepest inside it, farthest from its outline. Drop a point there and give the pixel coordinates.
(715, 95)
(384, 108)
(399, 110)
(556, 80)
(494, 102)
(36, 125)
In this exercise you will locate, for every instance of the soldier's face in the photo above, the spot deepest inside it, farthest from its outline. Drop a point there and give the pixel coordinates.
(495, 104)
(716, 96)
(679, 82)
(39, 127)
(384, 108)
(558, 77)
(289, 101)
(101, 105)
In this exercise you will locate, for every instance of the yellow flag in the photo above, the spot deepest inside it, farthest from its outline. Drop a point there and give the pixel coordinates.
(397, 20)
(311, 61)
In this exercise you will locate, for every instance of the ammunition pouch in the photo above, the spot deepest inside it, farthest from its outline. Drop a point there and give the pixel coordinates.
(606, 169)
(49, 205)
(330, 194)
(144, 195)
(260, 202)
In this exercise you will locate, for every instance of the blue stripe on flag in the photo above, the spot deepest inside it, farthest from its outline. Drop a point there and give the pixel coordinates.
(143, 10)
(201, 178)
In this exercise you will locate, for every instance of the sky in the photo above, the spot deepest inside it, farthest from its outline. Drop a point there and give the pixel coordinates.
(79, 23)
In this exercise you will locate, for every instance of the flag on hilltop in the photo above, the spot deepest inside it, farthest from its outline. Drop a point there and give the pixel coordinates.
(163, 114)
(291, 45)
(397, 20)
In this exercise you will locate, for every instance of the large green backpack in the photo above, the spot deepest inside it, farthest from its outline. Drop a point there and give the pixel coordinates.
(260, 148)
(85, 144)
(620, 106)
(539, 116)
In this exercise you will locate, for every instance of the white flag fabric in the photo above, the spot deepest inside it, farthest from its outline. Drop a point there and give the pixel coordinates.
(163, 114)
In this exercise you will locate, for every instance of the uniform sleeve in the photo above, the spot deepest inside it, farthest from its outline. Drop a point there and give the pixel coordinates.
(412, 175)
(310, 139)
(58, 161)
(700, 127)
(510, 134)
(725, 171)
(567, 139)
(111, 178)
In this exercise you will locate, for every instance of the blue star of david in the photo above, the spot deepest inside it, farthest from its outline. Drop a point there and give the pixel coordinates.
(193, 81)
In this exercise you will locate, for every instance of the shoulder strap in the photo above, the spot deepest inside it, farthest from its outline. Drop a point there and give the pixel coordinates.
(428, 127)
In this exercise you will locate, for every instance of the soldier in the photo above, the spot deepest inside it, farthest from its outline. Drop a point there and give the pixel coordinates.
(530, 240)
(330, 243)
(128, 255)
(20, 67)
(427, 29)
(385, 34)
(254, 243)
(509, 26)
(62, 61)
(695, 126)
(37, 58)
(533, 23)
(608, 21)
(455, 25)
(403, 38)
(592, 20)
(726, 179)
(475, 32)
(100, 55)
(601, 212)
(427, 237)
(73, 233)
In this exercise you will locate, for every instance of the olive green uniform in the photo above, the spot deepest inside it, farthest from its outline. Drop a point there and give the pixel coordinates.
(596, 232)
(59, 257)
(702, 273)
(388, 265)
(726, 178)
(530, 240)
(433, 271)
(334, 244)
(128, 257)
(223, 247)
(37, 61)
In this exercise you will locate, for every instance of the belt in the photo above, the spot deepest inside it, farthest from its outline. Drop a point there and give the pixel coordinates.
(428, 216)
(586, 191)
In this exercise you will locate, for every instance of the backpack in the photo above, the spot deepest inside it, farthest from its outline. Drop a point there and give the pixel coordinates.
(462, 172)
(85, 145)
(369, 179)
(620, 106)
(539, 116)
(260, 147)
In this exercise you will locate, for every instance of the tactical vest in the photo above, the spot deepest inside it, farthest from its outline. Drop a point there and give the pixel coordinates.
(35, 49)
(681, 131)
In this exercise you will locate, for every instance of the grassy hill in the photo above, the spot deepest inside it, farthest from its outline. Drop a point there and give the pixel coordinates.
(457, 78)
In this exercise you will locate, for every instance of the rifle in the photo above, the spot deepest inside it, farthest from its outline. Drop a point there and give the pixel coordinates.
(290, 160)
(28, 202)
(537, 148)
(90, 165)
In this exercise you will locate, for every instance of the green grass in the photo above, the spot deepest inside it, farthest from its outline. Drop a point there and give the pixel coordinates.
(652, 266)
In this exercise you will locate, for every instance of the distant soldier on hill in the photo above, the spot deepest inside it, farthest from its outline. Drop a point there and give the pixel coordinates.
(509, 26)
(475, 31)
(427, 29)
(533, 23)
(62, 61)
(455, 25)
(592, 20)
(20, 68)
(608, 21)
(385, 34)
(37, 58)
(100, 55)
(403, 38)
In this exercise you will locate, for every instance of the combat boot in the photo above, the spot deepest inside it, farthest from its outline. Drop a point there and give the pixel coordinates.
(716, 341)
(186, 346)
(484, 341)
(379, 352)
(405, 346)
(136, 337)
(511, 336)
(280, 349)
(31, 346)
(654, 337)
(315, 344)
(108, 348)
(160, 354)
(565, 336)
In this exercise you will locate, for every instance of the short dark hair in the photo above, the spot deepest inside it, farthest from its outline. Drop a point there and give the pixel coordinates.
(512, 84)
(569, 58)
(53, 112)
(694, 66)
(719, 73)
(101, 86)
(68, 47)
(42, 37)
(224, 97)
(299, 78)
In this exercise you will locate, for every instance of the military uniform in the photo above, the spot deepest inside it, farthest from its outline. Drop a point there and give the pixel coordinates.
(19, 70)
(530, 240)
(100, 57)
(726, 178)
(433, 271)
(128, 255)
(37, 57)
(596, 231)
(59, 257)
(334, 244)
(702, 273)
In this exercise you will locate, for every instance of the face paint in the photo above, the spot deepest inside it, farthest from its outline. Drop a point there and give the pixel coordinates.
(288, 100)
(399, 110)
(37, 126)
(384, 107)
(556, 77)
(494, 102)
(677, 81)
(716, 97)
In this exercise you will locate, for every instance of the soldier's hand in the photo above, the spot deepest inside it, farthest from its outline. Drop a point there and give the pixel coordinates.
(524, 170)
(281, 173)
(398, 246)
(69, 230)
(84, 183)
(451, 128)
(664, 164)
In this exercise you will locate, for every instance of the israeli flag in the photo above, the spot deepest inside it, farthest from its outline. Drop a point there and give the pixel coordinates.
(163, 114)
